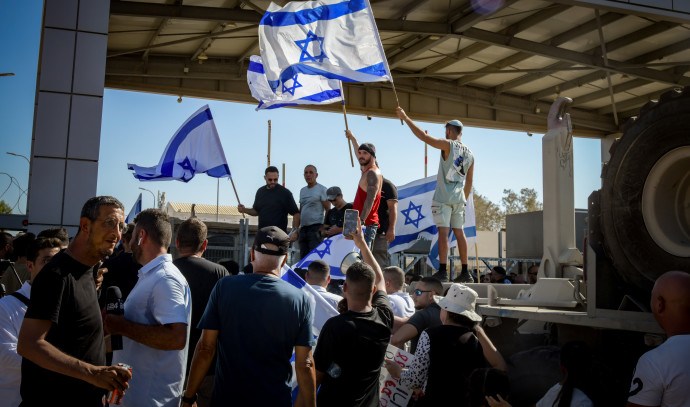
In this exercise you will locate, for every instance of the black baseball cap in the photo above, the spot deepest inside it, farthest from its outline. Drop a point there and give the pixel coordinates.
(333, 192)
(271, 235)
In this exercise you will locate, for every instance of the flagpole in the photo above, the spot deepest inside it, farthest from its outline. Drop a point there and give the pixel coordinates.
(349, 142)
(476, 260)
(425, 156)
(217, 197)
(269, 144)
(236, 196)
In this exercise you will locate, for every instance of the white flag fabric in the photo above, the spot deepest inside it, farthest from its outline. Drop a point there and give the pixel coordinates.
(321, 311)
(194, 148)
(301, 89)
(136, 208)
(332, 250)
(415, 220)
(337, 39)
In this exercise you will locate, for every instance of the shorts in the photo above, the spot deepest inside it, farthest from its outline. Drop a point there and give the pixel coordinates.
(448, 214)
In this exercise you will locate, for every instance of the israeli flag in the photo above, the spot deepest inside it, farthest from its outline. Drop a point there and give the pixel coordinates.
(321, 311)
(333, 38)
(134, 211)
(300, 90)
(332, 250)
(194, 148)
(415, 220)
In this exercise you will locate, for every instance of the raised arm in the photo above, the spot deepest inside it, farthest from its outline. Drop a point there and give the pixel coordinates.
(441, 144)
(353, 140)
(492, 355)
(368, 257)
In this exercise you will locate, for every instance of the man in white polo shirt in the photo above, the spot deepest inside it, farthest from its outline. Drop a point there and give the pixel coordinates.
(155, 326)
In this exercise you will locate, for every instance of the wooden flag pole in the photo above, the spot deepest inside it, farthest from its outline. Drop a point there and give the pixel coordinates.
(476, 261)
(349, 143)
(269, 144)
(236, 196)
(425, 156)
(396, 97)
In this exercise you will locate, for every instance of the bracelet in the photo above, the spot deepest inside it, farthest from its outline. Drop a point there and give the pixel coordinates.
(190, 400)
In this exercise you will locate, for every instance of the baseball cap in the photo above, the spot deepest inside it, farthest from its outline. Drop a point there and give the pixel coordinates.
(499, 270)
(333, 192)
(455, 122)
(461, 300)
(271, 235)
(369, 148)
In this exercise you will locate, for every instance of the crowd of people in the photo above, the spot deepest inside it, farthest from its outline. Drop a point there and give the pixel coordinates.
(81, 319)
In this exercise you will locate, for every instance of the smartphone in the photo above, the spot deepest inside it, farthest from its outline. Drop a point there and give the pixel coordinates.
(350, 221)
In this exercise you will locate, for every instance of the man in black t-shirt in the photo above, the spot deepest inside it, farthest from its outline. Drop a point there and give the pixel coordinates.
(202, 275)
(333, 223)
(352, 346)
(273, 203)
(388, 215)
(63, 330)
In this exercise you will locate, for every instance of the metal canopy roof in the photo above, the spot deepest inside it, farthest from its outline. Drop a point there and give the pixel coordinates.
(497, 70)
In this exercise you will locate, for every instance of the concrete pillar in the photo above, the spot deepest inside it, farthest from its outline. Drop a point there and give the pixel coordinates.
(67, 115)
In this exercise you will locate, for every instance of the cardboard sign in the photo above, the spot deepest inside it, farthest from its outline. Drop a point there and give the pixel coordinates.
(392, 393)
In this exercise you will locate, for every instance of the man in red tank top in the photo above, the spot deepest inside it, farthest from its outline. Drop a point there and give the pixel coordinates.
(369, 188)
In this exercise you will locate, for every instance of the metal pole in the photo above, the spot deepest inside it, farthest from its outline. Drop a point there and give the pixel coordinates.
(268, 156)
(152, 195)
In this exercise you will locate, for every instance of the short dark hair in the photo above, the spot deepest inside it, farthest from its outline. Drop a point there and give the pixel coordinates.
(129, 231)
(271, 169)
(58, 233)
(231, 265)
(312, 166)
(191, 234)
(500, 270)
(5, 239)
(360, 279)
(21, 244)
(395, 275)
(433, 284)
(320, 269)
(156, 224)
(41, 243)
(92, 207)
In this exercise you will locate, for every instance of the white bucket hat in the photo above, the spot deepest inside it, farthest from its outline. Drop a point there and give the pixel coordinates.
(461, 300)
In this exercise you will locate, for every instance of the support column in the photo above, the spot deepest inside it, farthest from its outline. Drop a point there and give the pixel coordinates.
(67, 115)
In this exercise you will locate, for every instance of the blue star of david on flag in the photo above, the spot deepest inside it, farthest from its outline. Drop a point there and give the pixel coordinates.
(294, 86)
(305, 56)
(326, 249)
(188, 169)
(412, 208)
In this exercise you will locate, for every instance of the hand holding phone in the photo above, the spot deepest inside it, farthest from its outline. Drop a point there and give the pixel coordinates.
(350, 222)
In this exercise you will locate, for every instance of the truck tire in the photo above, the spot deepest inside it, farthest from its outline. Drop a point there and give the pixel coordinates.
(645, 196)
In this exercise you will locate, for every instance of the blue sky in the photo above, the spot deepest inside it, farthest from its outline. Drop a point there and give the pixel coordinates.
(136, 127)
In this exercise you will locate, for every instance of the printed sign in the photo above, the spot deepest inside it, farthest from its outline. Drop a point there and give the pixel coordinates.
(392, 393)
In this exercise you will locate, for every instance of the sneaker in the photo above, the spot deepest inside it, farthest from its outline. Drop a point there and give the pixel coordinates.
(441, 276)
(464, 277)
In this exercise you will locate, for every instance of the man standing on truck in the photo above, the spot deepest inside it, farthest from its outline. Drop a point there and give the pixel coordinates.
(453, 187)
(662, 375)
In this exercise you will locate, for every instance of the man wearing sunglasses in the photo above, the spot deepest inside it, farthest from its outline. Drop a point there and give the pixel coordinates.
(428, 313)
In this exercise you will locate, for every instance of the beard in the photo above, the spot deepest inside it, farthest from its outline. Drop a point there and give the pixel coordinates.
(363, 163)
(136, 250)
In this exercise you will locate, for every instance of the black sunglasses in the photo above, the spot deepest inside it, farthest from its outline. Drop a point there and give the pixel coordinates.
(419, 292)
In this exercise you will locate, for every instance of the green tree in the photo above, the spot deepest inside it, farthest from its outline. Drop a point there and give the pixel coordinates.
(487, 214)
(526, 201)
(4, 207)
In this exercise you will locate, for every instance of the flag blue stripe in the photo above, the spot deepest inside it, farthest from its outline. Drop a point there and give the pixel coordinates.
(292, 278)
(256, 67)
(416, 190)
(193, 123)
(308, 16)
(219, 171)
(292, 70)
(412, 236)
(317, 97)
(470, 231)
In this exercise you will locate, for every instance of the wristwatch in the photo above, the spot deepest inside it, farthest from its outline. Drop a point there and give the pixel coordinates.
(190, 400)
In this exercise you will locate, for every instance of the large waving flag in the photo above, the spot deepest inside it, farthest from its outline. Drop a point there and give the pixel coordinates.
(299, 90)
(415, 220)
(332, 250)
(337, 39)
(321, 311)
(195, 148)
(134, 211)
